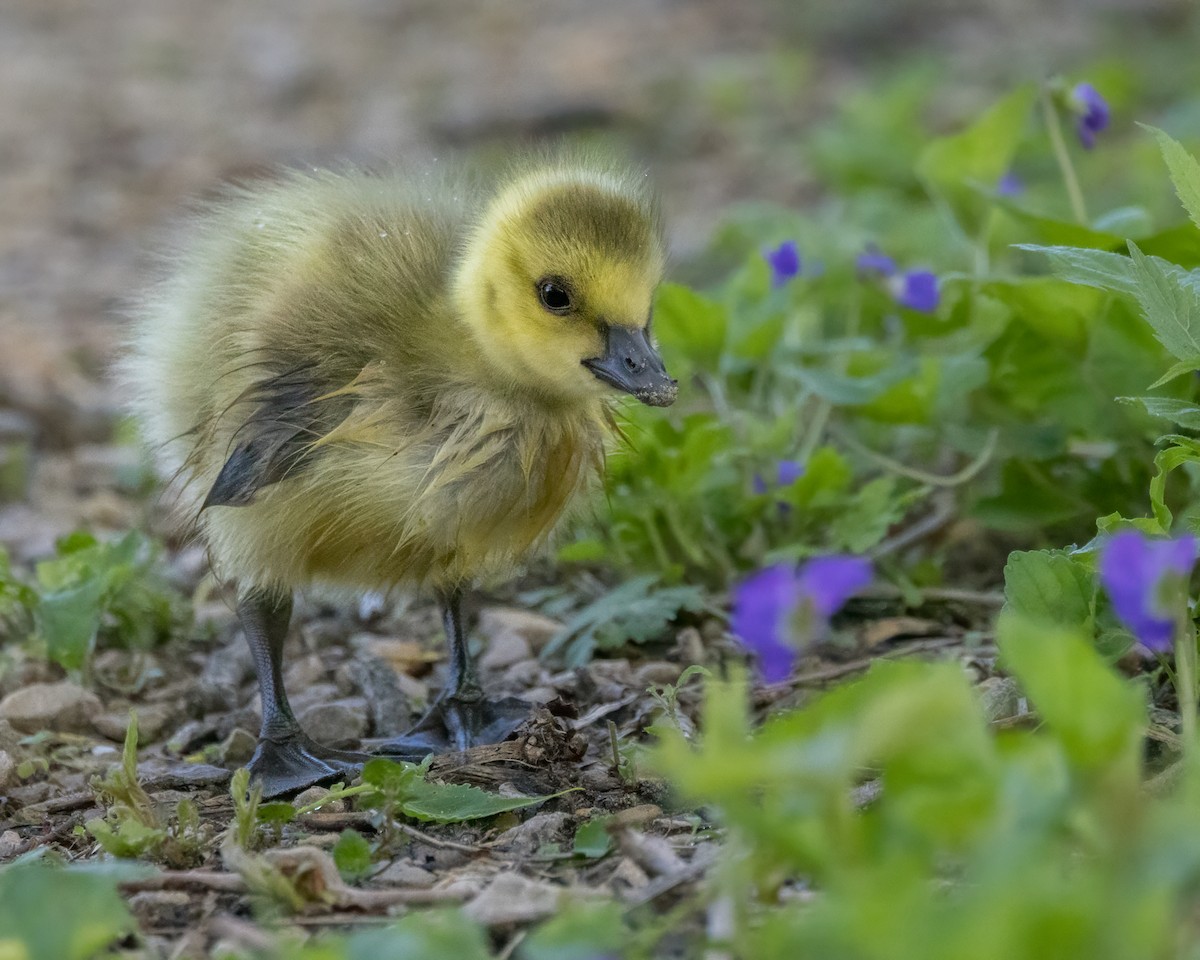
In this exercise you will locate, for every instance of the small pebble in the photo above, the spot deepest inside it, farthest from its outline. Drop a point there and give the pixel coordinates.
(62, 706)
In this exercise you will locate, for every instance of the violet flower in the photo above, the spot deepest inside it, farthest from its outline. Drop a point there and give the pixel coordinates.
(768, 606)
(917, 290)
(1010, 185)
(784, 262)
(914, 289)
(1091, 113)
(875, 261)
(787, 473)
(1141, 576)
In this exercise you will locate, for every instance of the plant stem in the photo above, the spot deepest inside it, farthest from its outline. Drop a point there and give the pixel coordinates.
(1066, 168)
(815, 431)
(1185, 679)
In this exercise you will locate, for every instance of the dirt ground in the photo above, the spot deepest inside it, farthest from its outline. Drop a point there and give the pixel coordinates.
(115, 115)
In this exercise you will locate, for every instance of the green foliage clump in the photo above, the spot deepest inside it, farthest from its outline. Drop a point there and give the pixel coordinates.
(1031, 843)
(1004, 394)
(133, 826)
(634, 612)
(49, 912)
(91, 594)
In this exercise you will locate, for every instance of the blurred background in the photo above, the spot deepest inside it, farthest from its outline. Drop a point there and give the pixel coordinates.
(115, 116)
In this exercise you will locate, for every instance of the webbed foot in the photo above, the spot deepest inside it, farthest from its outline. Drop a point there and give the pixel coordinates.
(298, 761)
(453, 724)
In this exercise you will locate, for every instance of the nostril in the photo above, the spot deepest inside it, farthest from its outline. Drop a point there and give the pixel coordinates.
(633, 365)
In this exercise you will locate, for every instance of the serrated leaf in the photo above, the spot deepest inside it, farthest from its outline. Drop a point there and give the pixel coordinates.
(1170, 298)
(1174, 372)
(635, 611)
(455, 802)
(1185, 172)
(352, 855)
(1183, 412)
(1092, 268)
(1049, 586)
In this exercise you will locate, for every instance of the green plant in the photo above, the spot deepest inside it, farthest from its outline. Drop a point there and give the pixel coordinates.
(90, 594)
(133, 826)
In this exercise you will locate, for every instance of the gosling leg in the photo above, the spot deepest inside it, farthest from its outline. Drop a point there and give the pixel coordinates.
(461, 717)
(286, 758)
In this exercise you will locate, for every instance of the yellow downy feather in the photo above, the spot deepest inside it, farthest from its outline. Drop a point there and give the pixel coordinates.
(360, 367)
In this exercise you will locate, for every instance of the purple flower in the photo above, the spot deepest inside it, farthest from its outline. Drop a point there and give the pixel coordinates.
(1010, 185)
(784, 262)
(1139, 574)
(765, 607)
(874, 260)
(828, 582)
(1091, 113)
(917, 290)
(787, 473)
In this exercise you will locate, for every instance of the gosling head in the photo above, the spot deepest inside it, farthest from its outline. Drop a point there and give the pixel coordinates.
(557, 282)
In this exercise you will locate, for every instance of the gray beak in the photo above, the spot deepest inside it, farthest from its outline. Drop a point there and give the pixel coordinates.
(630, 363)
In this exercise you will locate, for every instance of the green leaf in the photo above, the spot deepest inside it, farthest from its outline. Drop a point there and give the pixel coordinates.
(1170, 298)
(1183, 450)
(1180, 244)
(826, 478)
(130, 838)
(60, 913)
(1098, 717)
(422, 935)
(352, 855)
(840, 389)
(1176, 371)
(1059, 311)
(588, 550)
(592, 839)
(584, 932)
(1050, 587)
(1185, 172)
(954, 168)
(1092, 268)
(112, 591)
(1183, 412)
(867, 517)
(455, 802)
(69, 620)
(275, 814)
(390, 776)
(634, 612)
(1066, 233)
(690, 325)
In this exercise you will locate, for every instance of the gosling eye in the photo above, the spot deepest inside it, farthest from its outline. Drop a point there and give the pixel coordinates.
(554, 296)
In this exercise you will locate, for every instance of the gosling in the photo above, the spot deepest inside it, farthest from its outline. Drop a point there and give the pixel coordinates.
(374, 380)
